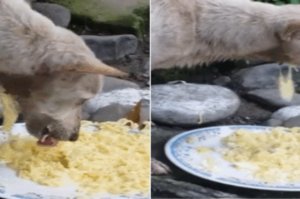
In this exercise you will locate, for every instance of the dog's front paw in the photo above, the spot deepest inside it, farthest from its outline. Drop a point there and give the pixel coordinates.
(159, 168)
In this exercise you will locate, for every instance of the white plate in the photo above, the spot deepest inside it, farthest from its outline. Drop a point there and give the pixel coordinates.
(13, 187)
(184, 155)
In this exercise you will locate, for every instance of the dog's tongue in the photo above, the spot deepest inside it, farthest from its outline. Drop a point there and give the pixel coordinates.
(47, 140)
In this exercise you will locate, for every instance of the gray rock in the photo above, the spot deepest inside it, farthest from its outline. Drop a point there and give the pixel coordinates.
(147, 70)
(30, 1)
(85, 116)
(271, 97)
(286, 113)
(60, 15)
(136, 66)
(112, 48)
(124, 97)
(292, 122)
(111, 83)
(185, 190)
(273, 122)
(112, 112)
(222, 81)
(260, 77)
(159, 168)
(145, 110)
(185, 104)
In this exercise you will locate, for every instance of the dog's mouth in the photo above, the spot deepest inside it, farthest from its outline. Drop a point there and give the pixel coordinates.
(47, 139)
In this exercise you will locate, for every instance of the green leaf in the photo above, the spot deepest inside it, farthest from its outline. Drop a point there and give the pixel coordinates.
(294, 1)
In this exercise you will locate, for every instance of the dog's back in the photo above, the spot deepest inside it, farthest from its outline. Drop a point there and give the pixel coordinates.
(21, 31)
(199, 31)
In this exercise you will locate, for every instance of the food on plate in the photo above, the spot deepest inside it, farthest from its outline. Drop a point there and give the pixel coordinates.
(211, 164)
(202, 149)
(273, 156)
(190, 140)
(111, 159)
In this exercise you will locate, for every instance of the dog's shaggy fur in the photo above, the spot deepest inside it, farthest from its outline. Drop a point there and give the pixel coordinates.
(49, 70)
(201, 31)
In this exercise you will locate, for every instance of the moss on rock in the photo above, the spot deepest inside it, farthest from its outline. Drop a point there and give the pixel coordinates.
(130, 14)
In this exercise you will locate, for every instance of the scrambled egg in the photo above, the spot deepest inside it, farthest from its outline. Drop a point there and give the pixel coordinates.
(273, 156)
(110, 160)
(190, 140)
(9, 109)
(202, 149)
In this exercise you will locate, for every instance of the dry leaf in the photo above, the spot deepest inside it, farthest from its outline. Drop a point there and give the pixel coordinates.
(134, 114)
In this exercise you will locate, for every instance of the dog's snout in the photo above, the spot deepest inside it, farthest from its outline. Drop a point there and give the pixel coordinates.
(74, 137)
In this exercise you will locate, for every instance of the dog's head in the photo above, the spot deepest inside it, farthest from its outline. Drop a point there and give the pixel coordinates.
(51, 98)
(285, 25)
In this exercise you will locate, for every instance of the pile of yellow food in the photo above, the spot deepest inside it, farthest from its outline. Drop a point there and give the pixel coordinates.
(272, 156)
(109, 160)
(10, 110)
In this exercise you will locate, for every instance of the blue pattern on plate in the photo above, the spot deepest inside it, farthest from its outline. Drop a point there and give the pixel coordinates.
(213, 132)
(2, 189)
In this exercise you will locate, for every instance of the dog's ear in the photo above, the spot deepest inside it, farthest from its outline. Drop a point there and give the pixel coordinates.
(290, 31)
(71, 62)
(93, 65)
